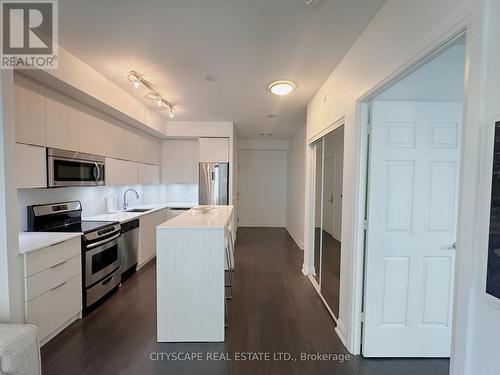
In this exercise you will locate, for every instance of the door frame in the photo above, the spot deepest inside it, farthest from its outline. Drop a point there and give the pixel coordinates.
(363, 112)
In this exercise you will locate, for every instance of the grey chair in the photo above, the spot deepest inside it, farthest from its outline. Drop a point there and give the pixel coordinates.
(19, 349)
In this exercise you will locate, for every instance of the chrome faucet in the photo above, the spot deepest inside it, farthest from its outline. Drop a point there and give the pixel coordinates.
(125, 204)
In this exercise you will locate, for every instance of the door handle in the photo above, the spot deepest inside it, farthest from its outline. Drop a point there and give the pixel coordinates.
(453, 246)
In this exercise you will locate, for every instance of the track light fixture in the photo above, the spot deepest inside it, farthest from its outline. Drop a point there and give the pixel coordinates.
(137, 80)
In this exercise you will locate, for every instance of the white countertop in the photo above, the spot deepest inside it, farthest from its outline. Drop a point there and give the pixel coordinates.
(122, 216)
(31, 241)
(216, 218)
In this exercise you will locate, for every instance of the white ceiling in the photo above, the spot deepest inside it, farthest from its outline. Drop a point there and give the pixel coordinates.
(242, 44)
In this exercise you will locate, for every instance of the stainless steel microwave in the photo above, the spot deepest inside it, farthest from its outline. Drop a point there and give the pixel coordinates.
(69, 168)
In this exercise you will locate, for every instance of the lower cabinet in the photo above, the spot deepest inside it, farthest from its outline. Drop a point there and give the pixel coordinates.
(147, 235)
(53, 287)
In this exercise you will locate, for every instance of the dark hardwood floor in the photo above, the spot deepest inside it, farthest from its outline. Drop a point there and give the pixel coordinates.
(274, 309)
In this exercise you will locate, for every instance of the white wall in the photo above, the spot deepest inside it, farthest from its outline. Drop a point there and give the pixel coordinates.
(295, 197)
(399, 35)
(439, 80)
(11, 292)
(484, 314)
(262, 183)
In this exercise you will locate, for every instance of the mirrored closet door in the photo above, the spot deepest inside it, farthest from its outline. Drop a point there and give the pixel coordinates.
(329, 159)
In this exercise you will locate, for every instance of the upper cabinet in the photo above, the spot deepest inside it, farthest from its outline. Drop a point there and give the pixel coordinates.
(29, 112)
(121, 172)
(61, 121)
(143, 149)
(179, 161)
(44, 117)
(214, 150)
(98, 136)
(31, 166)
(148, 174)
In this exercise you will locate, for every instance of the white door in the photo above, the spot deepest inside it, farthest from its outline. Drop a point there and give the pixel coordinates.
(412, 209)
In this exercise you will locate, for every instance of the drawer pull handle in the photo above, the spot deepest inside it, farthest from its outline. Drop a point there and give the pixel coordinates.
(58, 286)
(58, 264)
(105, 282)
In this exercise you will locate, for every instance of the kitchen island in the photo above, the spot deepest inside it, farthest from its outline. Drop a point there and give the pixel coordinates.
(190, 275)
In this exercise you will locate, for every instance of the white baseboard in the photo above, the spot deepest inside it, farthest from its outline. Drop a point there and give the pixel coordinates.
(61, 328)
(263, 225)
(340, 330)
(139, 266)
(307, 270)
(300, 245)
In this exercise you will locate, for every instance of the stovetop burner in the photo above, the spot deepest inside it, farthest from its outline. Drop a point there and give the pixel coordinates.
(65, 217)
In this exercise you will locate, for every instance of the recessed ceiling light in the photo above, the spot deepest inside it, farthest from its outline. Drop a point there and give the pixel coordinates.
(282, 87)
(266, 134)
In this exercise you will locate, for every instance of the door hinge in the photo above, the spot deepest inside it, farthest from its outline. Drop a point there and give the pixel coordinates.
(364, 225)
(369, 128)
(362, 317)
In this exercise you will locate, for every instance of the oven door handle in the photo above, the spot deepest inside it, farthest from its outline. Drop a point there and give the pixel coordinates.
(91, 246)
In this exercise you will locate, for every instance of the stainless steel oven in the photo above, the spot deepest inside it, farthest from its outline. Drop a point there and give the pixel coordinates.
(101, 258)
(101, 264)
(69, 168)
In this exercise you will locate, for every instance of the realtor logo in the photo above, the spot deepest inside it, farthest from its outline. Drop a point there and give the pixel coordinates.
(29, 34)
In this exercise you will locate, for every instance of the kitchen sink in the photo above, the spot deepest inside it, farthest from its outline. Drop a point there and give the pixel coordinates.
(139, 210)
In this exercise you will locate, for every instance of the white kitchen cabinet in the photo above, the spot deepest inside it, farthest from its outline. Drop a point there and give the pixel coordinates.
(190, 158)
(179, 161)
(29, 112)
(61, 121)
(120, 172)
(147, 235)
(53, 287)
(98, 135)
(148, 174)
(214, 150)
(151, 149)
(140, 148)
(31, 166)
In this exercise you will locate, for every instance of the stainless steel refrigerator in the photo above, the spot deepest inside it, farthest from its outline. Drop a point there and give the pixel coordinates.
(213, 184)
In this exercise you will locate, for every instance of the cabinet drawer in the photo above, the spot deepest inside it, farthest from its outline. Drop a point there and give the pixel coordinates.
(55, 307)
(41, 282)
(42, 259)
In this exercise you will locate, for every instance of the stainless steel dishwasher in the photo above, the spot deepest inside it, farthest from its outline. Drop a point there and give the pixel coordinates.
(129, 247)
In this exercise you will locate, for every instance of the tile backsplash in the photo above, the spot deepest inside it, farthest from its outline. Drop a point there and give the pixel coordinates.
(94, 198)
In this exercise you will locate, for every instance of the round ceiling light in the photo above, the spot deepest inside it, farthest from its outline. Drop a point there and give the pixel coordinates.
(282, 87)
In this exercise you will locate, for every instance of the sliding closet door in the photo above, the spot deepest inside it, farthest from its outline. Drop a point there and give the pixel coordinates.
(318, 207)
(331, 224)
